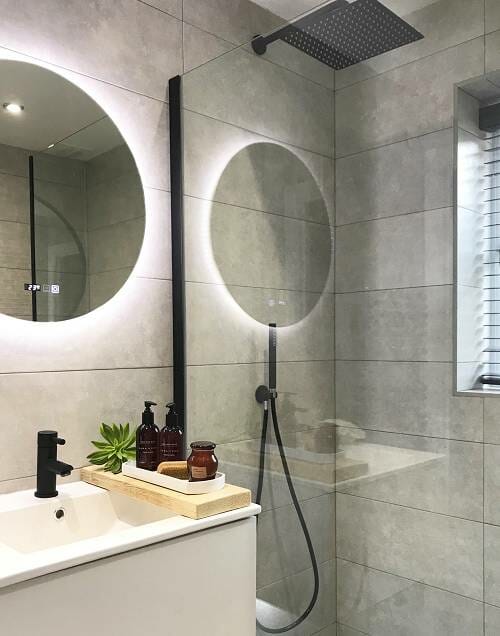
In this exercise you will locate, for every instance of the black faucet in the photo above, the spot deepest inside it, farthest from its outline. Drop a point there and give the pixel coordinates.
(48, 467)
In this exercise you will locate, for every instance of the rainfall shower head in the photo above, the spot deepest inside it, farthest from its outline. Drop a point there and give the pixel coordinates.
(340, 33)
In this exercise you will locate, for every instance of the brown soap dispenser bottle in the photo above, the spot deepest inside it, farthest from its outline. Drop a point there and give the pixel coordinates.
(147, 440)
(171, 437)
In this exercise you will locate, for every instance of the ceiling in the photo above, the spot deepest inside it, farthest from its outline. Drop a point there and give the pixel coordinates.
(54, 110)
(290, 9)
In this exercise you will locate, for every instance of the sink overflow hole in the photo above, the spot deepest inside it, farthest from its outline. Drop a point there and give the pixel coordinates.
(59, 513)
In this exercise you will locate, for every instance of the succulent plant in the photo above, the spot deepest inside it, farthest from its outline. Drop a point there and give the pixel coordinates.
(118, 447)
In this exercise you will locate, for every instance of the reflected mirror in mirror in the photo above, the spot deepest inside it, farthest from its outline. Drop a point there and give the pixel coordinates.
(71, 201)
(270, 234)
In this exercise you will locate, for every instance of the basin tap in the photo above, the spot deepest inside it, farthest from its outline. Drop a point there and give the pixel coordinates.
(48, 466)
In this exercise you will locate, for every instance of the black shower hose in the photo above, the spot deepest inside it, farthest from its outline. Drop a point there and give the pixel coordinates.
(296, 504)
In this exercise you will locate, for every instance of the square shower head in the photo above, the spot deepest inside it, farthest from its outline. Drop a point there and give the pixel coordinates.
(341, 33)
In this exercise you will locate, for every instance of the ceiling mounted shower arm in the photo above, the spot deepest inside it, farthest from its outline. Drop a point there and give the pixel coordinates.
(261, 42)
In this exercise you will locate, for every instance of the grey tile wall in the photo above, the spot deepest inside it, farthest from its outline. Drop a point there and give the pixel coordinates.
(410, 522)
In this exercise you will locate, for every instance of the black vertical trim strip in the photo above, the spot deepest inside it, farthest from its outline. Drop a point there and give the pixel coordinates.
(31, 177)
(177, 232)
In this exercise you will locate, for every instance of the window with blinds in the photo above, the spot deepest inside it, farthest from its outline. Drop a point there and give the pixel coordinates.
(477, 239)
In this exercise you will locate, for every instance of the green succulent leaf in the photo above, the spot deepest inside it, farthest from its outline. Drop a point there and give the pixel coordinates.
(118, 447)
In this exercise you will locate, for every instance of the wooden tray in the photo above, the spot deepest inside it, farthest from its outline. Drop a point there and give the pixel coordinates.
(192, 506)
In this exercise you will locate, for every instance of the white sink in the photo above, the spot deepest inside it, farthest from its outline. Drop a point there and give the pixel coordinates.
(95, 524)
(78, 513)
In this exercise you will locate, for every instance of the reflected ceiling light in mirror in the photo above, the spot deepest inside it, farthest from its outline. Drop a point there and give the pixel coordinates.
(13, 108)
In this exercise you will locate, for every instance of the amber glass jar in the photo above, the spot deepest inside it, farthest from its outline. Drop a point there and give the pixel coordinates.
(202, 463)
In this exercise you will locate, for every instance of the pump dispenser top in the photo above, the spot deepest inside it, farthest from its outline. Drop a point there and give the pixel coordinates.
(148, 417)
(147, 439)
(172, 419)
(171, 437)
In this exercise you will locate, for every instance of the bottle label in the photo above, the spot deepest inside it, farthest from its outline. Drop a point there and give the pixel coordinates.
(168, 451)
(198, 472)
(147, 455)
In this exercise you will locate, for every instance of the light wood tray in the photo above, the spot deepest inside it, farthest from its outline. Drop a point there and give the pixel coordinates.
(192, 506)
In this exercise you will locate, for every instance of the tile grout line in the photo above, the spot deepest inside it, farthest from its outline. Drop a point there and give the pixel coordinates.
(400, 215)
(407, 578)
(81, 74)
(390, 289)
(323, 293)
(392, 143)
(415, 435)
(407, 507)
(405, 64)
(99, 369)
(268, 212)
(259, 134)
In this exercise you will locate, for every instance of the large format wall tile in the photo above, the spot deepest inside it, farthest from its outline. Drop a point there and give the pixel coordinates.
(174, 7)
(115, 246)
(14, 301)
(404, 470)
(105, 285)
(492, 564)
(14, 198)
(104, 339)
(280, 603)
(409, 176)
(200, 47)
(441, 551)
(404, 251)
(312, 476)
(403, 324)
(228, 334)
(444, 24)
(281, 542)
(267, 169)
(492, 17)
(492, 484)
(237, 21)
(343, 630)
(155, 260)
(300, 62)
(406, 102)
(74, 404)
(279, 252)
(222, 403)
(491, 421)
(369, 395)
(492, 58)
(492, 620)
(259, 103)
(126, 43)
(14, 245)
(381, 604)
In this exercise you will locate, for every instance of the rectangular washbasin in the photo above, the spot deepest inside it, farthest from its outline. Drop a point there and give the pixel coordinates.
(76, 514)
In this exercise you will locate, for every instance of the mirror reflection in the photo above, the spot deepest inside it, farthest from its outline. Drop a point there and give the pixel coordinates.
(71, 201)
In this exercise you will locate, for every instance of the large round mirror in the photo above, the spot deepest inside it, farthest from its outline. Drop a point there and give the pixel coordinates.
(270, 234)
(71, 200)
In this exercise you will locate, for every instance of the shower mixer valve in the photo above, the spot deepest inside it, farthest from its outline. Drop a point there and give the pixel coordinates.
(264, 394)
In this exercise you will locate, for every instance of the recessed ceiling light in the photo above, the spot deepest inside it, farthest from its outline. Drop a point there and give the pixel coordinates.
(10, 107)
(51, 146)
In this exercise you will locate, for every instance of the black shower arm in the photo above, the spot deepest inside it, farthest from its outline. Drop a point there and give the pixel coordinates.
(260, 42)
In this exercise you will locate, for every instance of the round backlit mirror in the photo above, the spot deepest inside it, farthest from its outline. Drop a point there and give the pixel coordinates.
(270, 234)
(71, 200)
